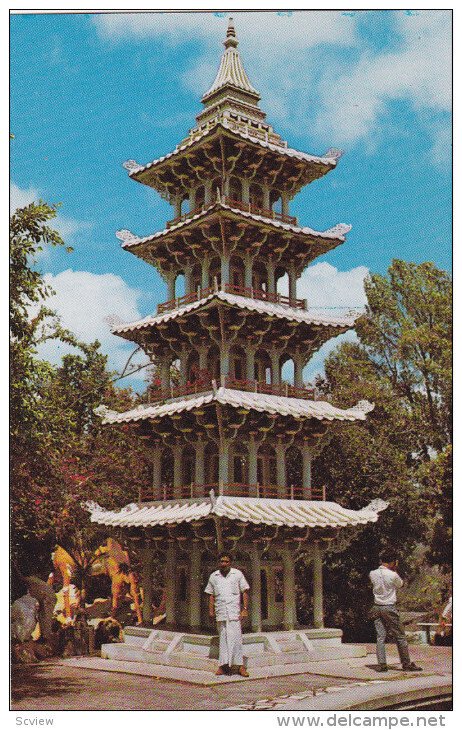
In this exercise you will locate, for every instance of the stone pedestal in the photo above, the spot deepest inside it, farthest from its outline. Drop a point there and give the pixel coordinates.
(278, 649)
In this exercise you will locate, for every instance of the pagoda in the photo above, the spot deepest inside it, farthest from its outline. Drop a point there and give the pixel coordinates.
(232, 441)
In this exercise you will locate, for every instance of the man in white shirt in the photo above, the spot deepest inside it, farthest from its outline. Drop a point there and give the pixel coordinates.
(225, 587)
(385, 580)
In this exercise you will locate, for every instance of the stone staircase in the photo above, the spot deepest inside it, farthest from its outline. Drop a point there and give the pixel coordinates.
(200, 652)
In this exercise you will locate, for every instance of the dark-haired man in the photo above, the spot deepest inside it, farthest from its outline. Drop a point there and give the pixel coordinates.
(225, 587)
(385, 580)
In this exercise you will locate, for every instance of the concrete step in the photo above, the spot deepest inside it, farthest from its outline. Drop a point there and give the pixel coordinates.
(137, 631)
(188, 660)
(131, 640)
(122, 652)
(127, 653)
(303, 656)
(159, 645)
(291, 646)
(327, 642)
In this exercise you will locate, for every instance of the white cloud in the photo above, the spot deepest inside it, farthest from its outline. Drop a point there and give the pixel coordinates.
(419, 71)
(275, 67)
(20, 197)
(441, 151)
(67, 227)
(316, 365)
(325, 286)
(255, 30)
(83, 301)
(341, 97)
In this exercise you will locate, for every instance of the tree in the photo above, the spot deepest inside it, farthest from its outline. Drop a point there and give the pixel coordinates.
(407, 334)
(61, 456)
(401, 453)
(29, 233)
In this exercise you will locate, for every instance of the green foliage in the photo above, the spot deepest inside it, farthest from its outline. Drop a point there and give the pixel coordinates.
(436, 478)
(407, 333)
(61, 456)
(401, 452)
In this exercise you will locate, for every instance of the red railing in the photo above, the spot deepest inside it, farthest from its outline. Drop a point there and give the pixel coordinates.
(263, 212)
(186, 299)
(265, 296)
(241, 291)
(250, 386)
(189, 214)
(199, 386)
(240, 205)
(283, 389)
(192, 491)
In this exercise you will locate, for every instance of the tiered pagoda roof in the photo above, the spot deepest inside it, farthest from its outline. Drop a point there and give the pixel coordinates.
(232, 332)
(278, 512)
(244, 227)
(206, 315)
(231, 131)
(223, 140)
(273, 405)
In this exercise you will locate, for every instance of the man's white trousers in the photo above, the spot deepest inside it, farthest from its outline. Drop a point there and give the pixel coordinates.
(230, 649)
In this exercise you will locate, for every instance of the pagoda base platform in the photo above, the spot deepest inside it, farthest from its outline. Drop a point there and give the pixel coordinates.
(284, 652)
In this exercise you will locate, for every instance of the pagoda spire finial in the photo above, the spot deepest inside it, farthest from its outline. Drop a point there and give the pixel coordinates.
(231, 72)
(231, 38)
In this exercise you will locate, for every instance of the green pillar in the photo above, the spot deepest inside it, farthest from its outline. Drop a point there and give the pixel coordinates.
(298, 370)
(188, 279)
(255, 589)
(224, 363)
(171, 278)
(250, 362)
(170, 582)
(245, 190)
(157, 472)
(253, 471)
(248, 271)
(292, 284)
(199, 467)
(223, 465)
(288, 563)
(318, 607)
(177, 451)
(208, 193)
(224, 270)
(271, 277)
(275, 374)
(205, 281)
(195, 586)
(147, 559)
(306, 457)
(281, 469)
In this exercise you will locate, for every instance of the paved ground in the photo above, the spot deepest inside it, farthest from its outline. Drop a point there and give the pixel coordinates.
(52, 686)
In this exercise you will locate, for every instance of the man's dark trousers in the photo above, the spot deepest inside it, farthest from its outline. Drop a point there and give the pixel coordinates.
(388, 625)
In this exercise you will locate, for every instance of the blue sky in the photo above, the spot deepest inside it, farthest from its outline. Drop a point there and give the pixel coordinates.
(90, 91)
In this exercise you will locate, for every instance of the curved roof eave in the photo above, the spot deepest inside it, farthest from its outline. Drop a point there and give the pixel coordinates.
(274, 404)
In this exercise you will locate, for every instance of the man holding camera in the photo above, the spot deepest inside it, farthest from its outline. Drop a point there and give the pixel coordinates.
(385, 580)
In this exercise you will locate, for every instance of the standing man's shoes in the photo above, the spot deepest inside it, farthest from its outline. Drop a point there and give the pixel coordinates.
(243, 672)
(222, 670)
(411, 667)
(382, 668)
